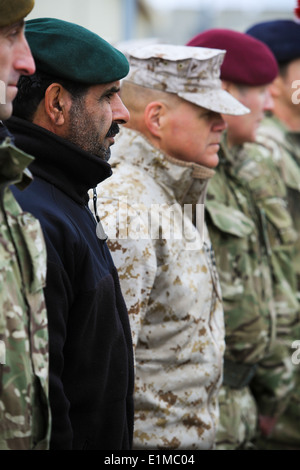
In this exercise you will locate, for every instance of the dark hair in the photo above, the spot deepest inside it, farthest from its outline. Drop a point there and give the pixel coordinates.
(32, 90)
(283, 66)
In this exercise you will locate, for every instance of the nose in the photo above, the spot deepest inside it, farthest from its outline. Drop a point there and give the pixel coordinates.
(269, 103)
(24, 62)
(120, 112)
(219, 124)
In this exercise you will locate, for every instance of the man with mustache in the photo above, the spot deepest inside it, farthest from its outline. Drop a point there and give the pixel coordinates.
(67, 115)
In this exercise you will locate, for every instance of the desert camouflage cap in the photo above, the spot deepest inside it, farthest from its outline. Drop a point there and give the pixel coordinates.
(193, 73)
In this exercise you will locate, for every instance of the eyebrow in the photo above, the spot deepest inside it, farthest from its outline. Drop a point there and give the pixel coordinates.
(113, 89)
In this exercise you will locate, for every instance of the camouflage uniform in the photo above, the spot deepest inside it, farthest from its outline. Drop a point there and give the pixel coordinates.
(285, 147)
(172, 293)
(24, 406)
(238, 230)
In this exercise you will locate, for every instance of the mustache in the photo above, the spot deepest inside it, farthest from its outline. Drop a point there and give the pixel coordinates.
(114, 130)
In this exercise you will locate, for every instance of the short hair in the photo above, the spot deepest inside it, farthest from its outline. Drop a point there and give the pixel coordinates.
(32, 90)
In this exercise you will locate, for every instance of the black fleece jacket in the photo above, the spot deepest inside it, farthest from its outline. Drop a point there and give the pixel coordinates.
(91, 359)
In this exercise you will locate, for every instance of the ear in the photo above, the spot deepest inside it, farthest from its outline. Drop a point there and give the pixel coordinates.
(275, 87)
(56, 104)
(225, 85)
(154, 117)
(231, 88)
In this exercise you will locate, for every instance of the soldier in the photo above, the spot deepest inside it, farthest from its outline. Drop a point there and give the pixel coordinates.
(280, 132)
(281, 128)
(163, 160)
(238, 227)
(68, 113)
(24, 405)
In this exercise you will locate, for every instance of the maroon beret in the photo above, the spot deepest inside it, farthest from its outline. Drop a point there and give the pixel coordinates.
(247, 61)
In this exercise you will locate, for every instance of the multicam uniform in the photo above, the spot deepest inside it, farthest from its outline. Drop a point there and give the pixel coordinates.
(238, 230)
(285, 146)
(24, 407)
(172, 292)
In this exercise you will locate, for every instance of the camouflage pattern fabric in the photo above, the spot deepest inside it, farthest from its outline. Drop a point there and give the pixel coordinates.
(238, 419)
(238, 229)
(170, 284)
(285, 145)
(24, 404)
(284, 148)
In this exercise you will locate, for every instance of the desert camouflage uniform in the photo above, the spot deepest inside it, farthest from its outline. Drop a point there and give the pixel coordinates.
(172, 293)
(285, 147)
(238, 230)
(24, 407)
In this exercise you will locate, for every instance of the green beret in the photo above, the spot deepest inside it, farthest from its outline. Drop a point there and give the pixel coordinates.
(12, 11)
(67, 50)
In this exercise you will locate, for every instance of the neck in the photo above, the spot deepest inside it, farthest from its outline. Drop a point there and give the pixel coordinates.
(231, 142)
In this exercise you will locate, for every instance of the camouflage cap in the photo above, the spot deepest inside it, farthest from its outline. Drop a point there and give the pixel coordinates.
(192, 73)
(12, 11)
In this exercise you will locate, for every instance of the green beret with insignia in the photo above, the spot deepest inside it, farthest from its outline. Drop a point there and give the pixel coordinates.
(12, 11)
(67, 50)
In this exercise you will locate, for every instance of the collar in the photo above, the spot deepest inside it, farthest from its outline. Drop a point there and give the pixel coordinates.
(4, 133)
(275, 129)
(232, 158)
(183, 178)
(58, 161)
(13, 162)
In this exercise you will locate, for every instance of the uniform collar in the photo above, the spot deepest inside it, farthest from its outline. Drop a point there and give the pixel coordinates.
(274, 128)
(13, 165)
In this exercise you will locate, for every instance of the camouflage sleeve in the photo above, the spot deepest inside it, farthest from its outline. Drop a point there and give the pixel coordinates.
(275, 377)
(246, 269)
(133, 253)
(243, 281)
(274, 381)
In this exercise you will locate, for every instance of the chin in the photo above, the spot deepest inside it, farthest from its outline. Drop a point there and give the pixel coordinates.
(215, 163)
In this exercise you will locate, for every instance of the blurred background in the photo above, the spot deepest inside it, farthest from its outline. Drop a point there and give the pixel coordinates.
(170, 21)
